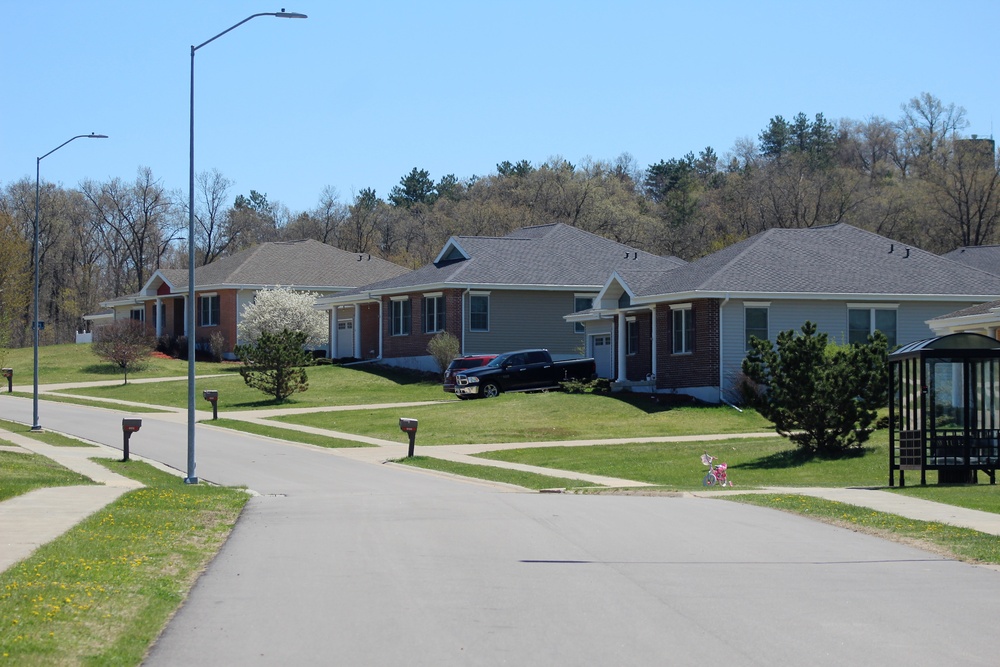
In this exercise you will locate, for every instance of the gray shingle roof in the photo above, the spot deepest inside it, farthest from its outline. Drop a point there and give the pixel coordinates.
(978, 309)
(555, 255)
(306, 263)
(837, 259)
(985, 258)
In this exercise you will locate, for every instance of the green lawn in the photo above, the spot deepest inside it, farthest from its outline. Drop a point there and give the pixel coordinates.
(76, 363)
(23, 472)
(752, 463)
(48, 437)
(101, 593)
(328, 386)
(538, 418)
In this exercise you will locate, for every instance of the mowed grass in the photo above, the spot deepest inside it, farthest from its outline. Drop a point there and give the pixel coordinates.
(329, 385)
(753, 462)
(21, 472)
(101, 593)
(539, 417)
(77, 363)
(47, 437)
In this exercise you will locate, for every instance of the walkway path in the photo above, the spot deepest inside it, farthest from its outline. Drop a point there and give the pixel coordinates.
(34, 518)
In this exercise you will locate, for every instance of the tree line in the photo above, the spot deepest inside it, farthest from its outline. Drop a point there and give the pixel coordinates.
(916, 178)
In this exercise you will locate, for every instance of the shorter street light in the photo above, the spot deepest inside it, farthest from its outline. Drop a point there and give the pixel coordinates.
(35, 426)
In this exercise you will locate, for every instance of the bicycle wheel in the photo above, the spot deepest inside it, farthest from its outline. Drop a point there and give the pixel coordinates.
(710, 479)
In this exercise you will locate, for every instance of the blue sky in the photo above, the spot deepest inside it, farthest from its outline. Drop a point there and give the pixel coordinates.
(360, 93)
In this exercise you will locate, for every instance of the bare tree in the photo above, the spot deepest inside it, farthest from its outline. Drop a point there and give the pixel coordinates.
(210, 206)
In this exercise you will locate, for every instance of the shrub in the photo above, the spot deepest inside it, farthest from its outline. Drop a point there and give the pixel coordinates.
(444, 347)
(275, 363)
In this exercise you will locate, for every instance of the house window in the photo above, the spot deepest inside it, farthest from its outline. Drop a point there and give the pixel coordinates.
(755, 322)
(399, 317)
(479, 312)
(137, 314)
(862, 321)
(208, 310)
(631, 336)
(581, 302)
(683, 325)
(433, 313)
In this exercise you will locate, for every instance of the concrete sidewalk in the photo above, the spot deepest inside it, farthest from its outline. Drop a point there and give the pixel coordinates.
(28, 521)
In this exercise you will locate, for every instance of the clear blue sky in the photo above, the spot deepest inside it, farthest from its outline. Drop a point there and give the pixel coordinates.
(360, 93)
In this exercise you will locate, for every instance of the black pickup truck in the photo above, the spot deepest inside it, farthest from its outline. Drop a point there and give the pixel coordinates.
(523, 370)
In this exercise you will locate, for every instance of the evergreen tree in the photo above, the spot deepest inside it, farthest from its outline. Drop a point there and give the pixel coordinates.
(275, 363)
(822, 398)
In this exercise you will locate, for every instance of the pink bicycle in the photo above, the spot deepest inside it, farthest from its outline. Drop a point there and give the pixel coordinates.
(716, 472)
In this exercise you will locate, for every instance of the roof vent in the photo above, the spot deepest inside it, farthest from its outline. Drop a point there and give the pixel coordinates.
(891, 246)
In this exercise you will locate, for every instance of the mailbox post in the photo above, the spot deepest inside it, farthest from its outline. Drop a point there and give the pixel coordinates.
(212, 396)
(129, 426)
(409, 426)
(9, 374)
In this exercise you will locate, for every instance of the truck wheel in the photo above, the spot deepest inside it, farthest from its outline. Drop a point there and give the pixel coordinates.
(490, 390)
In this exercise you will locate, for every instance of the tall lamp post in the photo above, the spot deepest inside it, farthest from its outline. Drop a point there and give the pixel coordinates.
(192, 478)
(35, 425)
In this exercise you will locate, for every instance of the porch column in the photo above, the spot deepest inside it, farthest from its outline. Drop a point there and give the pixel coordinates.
(332, 345)
(187, 327)
(652, 310)
(622, 336)
(158, 316)
(358, 352)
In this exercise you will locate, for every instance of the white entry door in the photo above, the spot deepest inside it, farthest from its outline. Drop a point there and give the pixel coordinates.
(345, 339)
(600, 346)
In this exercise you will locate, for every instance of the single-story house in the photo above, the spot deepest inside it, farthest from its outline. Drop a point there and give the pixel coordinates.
(687, 330)
(494, 294)
(224, 287)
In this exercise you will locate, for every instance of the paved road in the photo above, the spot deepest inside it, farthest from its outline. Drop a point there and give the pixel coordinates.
(346, 562)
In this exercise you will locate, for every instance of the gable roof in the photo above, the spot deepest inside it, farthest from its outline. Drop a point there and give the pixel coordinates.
(545, 256)
(983, 257)
(305, 264)
(831, 261)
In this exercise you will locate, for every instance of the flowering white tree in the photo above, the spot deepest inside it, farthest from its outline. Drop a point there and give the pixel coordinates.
(274, 310)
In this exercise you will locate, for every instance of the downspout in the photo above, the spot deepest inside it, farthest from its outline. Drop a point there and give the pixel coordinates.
(468, 291)
(379, 326)
(654, 350)
(722, 399)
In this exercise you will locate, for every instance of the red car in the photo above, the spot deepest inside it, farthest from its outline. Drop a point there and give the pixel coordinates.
(462, 364)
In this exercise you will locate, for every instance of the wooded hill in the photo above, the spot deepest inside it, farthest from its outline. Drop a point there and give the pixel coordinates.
(917, 178)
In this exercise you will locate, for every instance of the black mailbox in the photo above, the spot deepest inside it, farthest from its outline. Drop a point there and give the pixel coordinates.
(212, 396)
(9, 374)
(129, 426)
(409, 426)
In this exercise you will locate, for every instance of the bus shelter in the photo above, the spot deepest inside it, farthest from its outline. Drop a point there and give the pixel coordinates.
(944, 408)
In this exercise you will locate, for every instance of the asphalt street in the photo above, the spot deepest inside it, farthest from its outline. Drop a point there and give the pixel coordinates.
(339, 561)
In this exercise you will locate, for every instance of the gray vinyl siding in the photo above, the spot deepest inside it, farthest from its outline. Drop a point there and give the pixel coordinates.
(830, 317)
(525, 319)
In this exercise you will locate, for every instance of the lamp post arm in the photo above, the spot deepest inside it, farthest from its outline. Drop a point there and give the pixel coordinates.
(231, 28)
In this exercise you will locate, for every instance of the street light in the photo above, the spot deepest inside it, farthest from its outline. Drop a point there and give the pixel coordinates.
(35, 426)
(191, 477)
